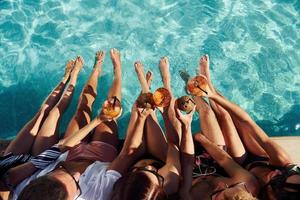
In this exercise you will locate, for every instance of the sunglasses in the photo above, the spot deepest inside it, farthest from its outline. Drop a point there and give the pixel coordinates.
(79, 192)
(159, 177)
(215, 194)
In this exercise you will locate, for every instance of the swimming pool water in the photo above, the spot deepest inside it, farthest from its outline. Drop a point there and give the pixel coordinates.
(254, 47)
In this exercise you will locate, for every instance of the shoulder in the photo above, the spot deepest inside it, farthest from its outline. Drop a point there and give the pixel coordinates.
(98, 171)
(97, 181)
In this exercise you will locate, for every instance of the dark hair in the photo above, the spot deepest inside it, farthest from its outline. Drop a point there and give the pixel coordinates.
(282, 189)
(137, 186)
(46, 188)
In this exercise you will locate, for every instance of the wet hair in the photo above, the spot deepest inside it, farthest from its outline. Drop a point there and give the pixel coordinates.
(137, 186)
(44, 187)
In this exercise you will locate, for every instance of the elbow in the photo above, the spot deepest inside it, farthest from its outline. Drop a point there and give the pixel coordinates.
(131, 152)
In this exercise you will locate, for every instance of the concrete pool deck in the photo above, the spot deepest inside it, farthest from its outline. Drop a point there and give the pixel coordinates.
(290, 143)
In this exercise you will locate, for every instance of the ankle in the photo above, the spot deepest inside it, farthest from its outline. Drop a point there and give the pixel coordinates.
(117, 75)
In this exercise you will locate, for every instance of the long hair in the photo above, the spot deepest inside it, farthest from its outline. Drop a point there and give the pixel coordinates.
(137, 186)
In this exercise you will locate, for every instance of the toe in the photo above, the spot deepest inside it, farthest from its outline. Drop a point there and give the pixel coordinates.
(114, 51)
(81, 59)
(149, 73)
(202, 58)
(136, 64)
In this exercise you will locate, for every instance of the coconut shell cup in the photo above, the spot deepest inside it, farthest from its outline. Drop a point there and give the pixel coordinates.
(185, 104)
(145, 100)
(162, 97)
(197, 86)
(112, 107)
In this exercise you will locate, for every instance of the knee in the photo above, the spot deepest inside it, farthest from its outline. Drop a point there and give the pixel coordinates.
(54, 112)
(205, 110)
(224, 115)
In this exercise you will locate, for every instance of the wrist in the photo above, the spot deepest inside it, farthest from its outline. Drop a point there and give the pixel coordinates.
(141, 119)
(186, 126)
(98, 119)
(212, 95)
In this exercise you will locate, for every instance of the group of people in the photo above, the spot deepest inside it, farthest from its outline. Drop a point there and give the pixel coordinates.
(231, 157)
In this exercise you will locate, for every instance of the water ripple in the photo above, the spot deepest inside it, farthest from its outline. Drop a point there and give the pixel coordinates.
(254, 48)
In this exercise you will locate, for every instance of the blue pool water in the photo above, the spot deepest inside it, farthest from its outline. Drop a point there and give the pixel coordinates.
(254, 48)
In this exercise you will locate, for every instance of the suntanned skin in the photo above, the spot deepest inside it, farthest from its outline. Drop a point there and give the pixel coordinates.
(33, 139)
(48, 134)
(78, 167)
(80, 120)
(135, 145)
(210, 138)
(25, 139)
(186, 153)
(232, 140)
(247, 129)
(237, 124)
(236, 172)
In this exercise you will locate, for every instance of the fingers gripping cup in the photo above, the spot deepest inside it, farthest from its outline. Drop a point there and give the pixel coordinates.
(185, 104)
(112, 107)
(197, 86)
(145, 100)
(162, 97)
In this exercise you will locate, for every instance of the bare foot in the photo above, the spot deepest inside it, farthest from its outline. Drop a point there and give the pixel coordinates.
(99, 59)
(204, 70)
(115, 57)
(149, 77)
(68, 68)
(78, 64)
(139, 69)
(165, 73)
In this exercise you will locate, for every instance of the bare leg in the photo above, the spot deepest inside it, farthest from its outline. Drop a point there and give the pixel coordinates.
(22, 144)
(48, 134)
(233, 142)
(209, 124)
(154, 138)
(149, 77)
(233, 133)
(108, 131)
(246, 126)
(134, 115)
(170, 125)
(87, 97)
(248, 140)
(115, 89)
(165, 72)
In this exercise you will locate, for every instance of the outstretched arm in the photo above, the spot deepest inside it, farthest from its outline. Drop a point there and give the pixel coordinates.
(17, 174)
(74, 139)
(172, 169)
(234, 170)
(277, 154)
(186, 153)
(132, 147)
